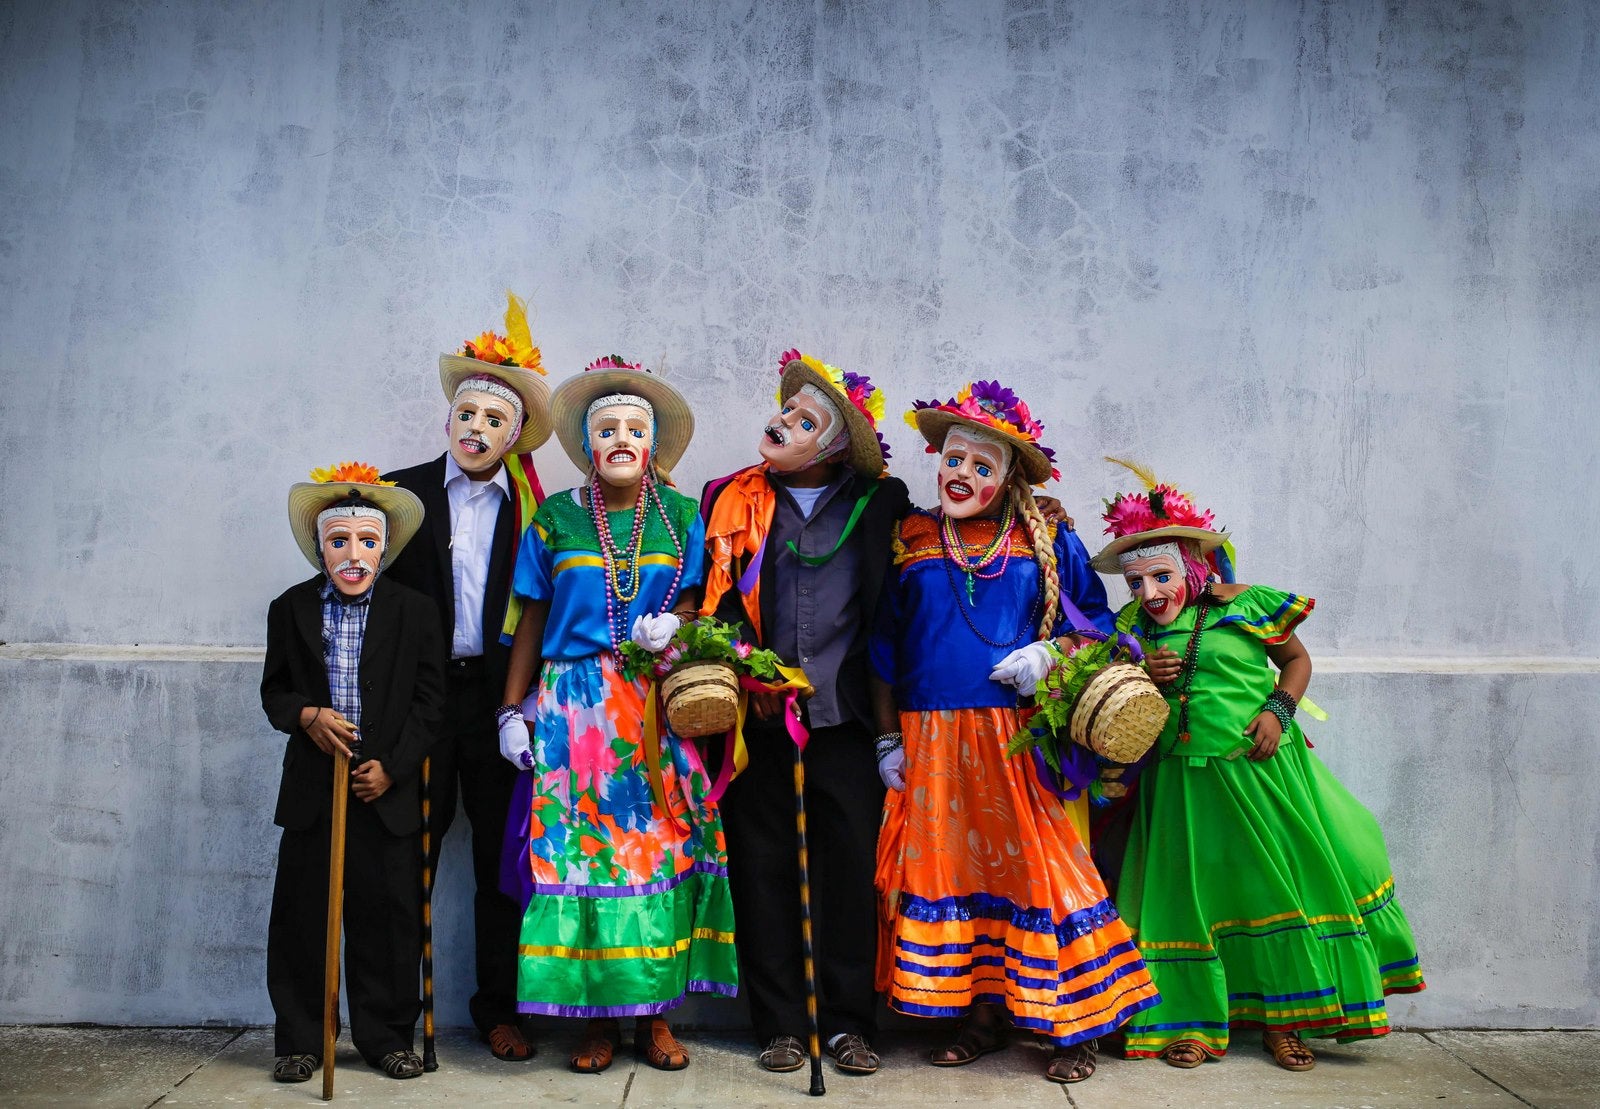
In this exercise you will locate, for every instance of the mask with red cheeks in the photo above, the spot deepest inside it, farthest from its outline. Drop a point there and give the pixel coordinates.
(621, 438)
(352, 549)
(973, 470)
(1155, 577)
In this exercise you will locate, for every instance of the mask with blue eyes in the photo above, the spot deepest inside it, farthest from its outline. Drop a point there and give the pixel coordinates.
(352, 541)
(619, 437)
(1155, 578)
(808, 428)
(974, 470)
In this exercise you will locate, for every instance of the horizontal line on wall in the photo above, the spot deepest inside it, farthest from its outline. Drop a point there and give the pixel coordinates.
(1326, 664)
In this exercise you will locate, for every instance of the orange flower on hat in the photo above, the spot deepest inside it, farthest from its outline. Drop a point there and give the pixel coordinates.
(358, 473)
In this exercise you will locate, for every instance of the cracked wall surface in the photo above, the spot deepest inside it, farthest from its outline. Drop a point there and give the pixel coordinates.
(1333, 266)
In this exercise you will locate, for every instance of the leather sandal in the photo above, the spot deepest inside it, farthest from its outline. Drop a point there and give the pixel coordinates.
(1183, 1054)
(401, 1064)
(295, 1068)
(507, 1042)
(1072, 1064)
(1288, 1050)
(656, 1045)
(783, 1054)
(978, 1037)
(853, 1055)
(597, 1048)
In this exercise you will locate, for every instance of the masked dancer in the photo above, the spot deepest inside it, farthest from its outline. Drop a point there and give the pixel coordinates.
(626, 894)
(353, 665)
(1257, 887)
(991, 907)
(799, 548)
(480, 495)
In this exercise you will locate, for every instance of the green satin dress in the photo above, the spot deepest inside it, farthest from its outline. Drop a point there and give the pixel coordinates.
(1260, 893)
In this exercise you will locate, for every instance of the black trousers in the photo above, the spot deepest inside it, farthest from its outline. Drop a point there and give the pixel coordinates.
(382, 931)
(467, 762)
(844, 802)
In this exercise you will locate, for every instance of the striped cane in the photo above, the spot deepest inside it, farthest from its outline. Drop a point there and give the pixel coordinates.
(430, 1062)
(815, 1043)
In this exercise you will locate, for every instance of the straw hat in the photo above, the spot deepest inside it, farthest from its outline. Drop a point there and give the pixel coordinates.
(858, 400)
(569, 408)
(1160, 514)
(401, 507)
(990, 408)
(511, 359)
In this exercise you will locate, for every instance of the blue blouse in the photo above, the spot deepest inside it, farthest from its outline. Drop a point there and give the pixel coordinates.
(926, 640)
(559, 561)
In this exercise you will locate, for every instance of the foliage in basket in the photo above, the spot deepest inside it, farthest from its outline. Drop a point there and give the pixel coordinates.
(704, 640)
(1053, 700)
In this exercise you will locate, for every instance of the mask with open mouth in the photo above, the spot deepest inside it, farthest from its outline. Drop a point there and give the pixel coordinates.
(803, 431)
(621, 439)
(352, 539)
(973, 471)
(1157, 580)
(483, 425)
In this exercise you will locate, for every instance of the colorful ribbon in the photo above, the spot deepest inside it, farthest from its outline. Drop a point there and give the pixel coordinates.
(735, 755)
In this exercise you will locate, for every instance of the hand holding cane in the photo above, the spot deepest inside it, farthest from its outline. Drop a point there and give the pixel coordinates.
(429, 1062)
(330, 963)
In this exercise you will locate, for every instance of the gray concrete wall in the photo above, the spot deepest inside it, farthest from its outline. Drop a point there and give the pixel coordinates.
(1332, 266)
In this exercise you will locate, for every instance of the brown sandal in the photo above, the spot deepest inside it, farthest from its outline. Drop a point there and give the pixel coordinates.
(656, 1045)
(1072, 1064)
(597, 1048)
(979, 1036)
(1288, 1050)
(507, 1042)
(1183, 1054)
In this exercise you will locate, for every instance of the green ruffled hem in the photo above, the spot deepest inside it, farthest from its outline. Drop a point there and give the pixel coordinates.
(1323, 979)
(631, 955)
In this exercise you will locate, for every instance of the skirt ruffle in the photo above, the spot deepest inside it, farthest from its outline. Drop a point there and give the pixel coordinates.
(1261, 897)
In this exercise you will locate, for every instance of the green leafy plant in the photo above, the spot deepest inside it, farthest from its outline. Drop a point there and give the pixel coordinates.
(704, 640)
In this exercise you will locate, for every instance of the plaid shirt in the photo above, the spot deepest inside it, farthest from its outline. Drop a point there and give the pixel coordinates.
(344, 627)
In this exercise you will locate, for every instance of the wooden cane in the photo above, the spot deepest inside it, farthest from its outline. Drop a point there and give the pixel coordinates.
(430, 1062)
(330, 963)
(815, 1042)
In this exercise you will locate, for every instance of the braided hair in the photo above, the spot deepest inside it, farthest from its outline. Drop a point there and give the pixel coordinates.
(1044, 551)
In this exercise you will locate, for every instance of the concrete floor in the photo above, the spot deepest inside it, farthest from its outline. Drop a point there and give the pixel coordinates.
(138, 1068)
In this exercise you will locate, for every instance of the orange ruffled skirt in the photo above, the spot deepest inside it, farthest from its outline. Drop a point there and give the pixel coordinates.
(988, 894)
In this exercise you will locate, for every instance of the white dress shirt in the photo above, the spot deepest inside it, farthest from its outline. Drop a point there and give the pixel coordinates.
(474, 505)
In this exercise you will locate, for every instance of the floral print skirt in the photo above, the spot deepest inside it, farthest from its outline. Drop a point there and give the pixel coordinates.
(627, 907)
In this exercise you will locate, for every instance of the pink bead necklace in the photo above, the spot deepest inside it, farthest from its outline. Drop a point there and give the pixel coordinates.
(623, 574)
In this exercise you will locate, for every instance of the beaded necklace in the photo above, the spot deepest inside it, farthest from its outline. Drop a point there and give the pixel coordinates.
(949, 560)
(1191, 663)
(623, 575)
(956, 549)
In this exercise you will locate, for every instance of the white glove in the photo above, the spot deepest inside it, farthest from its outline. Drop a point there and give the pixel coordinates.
(892, 762)
(1024, 668)
(515, 745)
(655, 632)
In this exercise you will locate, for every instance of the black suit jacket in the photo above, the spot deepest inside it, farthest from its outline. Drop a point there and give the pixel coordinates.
(424, 565)
(874, 533)
(402, 698)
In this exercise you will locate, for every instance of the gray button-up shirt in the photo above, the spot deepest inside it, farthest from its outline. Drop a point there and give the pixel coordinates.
(817, 618)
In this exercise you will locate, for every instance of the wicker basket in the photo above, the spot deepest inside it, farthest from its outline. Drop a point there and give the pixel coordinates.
(1119, 714)
(702, 698)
